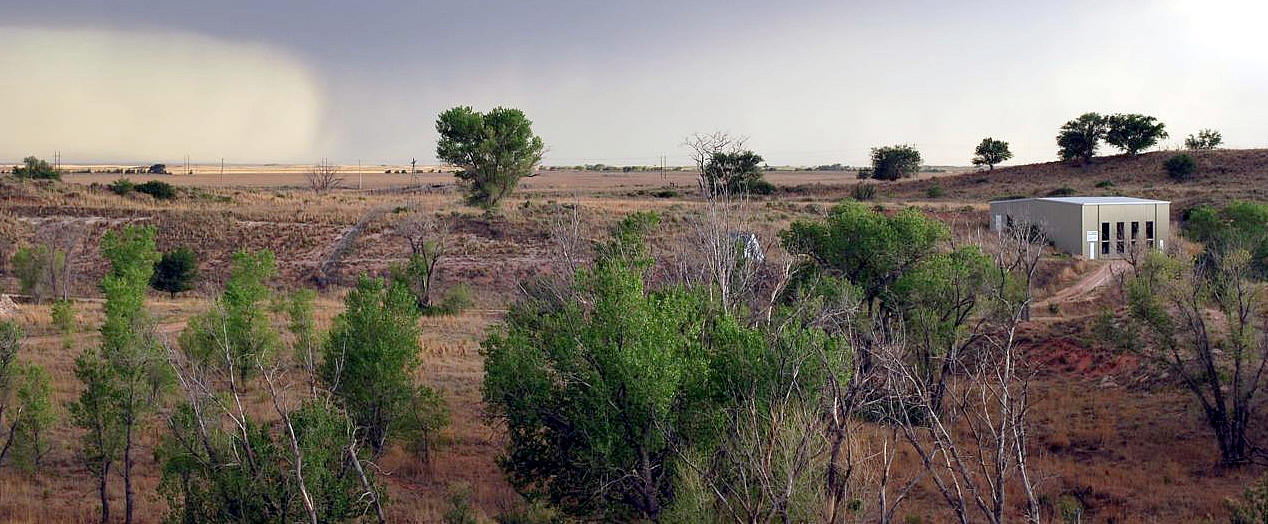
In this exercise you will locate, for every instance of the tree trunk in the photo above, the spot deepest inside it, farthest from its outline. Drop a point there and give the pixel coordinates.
(102, 479)
(127, 475)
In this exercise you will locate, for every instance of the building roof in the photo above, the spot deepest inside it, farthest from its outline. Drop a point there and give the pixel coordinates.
(1093, 201)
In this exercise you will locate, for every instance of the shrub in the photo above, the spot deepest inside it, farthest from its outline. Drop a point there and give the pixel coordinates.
(1062, 191)
(761, 187)
(121, 186)
(935, 191)
(36, 169)
(864, 191)
(460, 509)
(455, 300)
(157, 189)
(1252, 507)
(37, 269)
(1205, 139)
(1105, 184)
(666, 193)
(1181, 167)
(176, 271)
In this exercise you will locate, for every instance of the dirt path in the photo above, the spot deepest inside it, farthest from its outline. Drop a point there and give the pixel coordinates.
(1084, 287)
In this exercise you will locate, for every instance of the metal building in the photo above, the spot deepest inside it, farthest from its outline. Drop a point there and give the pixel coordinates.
(1094, 227)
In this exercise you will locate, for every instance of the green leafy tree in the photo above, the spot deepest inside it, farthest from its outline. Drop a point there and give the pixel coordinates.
(223, 462)
(735, 172)
(38, 269)
(240, 321)
(1206, 139)
(63, 315)
(124, 377)
(1237, 225)
(492, 151)
(1181, 167)
(97, 414)
(1079, 139)
(26, 411)
(37, 415)
(10, 371)
(598, 444)
(1177, 304)
(991, 152)
(895, 162)
(369, 361)
(1134, 133)
(34, 168)
(867, 248)
(176, 271)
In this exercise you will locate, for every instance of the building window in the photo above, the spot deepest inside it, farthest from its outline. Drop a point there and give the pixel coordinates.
(1105, 238)
(1135, 235)
(1118, 227)
(1149, 234)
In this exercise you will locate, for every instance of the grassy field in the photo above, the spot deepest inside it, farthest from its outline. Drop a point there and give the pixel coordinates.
(1110, 433)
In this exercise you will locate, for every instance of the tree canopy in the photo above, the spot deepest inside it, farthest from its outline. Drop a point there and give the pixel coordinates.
(1133, 133)
(1079, 139)
(895, 162)
(736, 173)
(991, 152)
(1204, 139)
(34, 168)
(492, 151)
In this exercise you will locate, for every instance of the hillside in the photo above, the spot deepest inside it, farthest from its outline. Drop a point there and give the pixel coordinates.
(1226, 174)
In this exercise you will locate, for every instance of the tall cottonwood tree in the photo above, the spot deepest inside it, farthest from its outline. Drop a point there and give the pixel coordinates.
(223, 461)
(126, 375)
(492, 151)
(368, 363)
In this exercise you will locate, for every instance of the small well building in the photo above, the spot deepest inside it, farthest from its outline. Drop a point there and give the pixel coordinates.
(1094, 227)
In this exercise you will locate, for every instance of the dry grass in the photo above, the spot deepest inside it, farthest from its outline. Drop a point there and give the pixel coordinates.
(1129, 453)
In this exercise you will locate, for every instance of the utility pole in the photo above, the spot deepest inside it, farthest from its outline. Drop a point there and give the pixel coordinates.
(222, 170)
(360, 176)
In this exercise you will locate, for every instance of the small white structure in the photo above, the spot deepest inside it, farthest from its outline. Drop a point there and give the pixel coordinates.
(752, 248)
(1093, 227)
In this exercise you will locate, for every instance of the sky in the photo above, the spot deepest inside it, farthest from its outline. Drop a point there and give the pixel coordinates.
(808, 82)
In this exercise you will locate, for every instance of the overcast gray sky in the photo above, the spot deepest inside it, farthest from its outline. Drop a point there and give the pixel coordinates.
(614, 82)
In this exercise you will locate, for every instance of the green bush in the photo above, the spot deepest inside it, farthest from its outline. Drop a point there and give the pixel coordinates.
(1104, 184)
(176, 271)
(36, 169)
(122, 186)
(455, 300)
(1062, 191)
(666, 193)
(761, 187)
(157, 189)
(935, 191)
(1181, 167)
(864, 192)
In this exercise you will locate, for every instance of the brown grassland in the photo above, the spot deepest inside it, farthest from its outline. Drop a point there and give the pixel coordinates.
(1109, 432)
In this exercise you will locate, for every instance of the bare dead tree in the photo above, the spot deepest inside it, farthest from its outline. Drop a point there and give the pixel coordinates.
(969, 427)
(428, 238)
(723, 254)
(703, 148)
(324, 177)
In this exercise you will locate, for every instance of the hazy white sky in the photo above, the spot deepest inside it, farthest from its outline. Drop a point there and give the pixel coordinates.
(614, 82)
